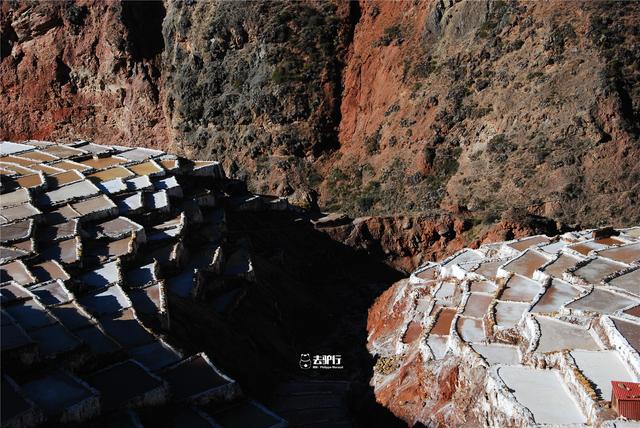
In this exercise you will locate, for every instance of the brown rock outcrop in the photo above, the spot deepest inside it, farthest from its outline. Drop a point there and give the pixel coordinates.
(379, 107)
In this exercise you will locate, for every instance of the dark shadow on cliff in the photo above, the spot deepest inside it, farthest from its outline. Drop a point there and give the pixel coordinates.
(311, 296)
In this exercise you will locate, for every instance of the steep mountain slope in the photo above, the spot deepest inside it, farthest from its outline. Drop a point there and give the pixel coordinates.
(376, 108)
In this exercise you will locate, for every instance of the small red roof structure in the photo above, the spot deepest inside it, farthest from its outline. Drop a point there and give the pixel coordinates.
(625, 398)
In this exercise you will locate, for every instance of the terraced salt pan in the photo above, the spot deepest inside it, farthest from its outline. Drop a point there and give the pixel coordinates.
(630, 331)
(16, 271)
(82, 189)
(68, 165)
(438, 345)
(489, 269)
(470, 329)
(131, 204)
(634, 312)
(64, 178)
(464, 257)
(520, 289)
(543, 393)
(140, 154)
(556, 295)
(107, 274)
(561, 265)
(601, 301)
(526, 264)
(66, 251)
(444, 295)
(20, 212)
(112, 187)
(111, 174)
(105, 162)
(477, 305)
(7, 148)
(601, 367)
(142, 182)
(598, 269)
(147, 168)
(443, 322)
(585, 248)
(556, 335)
(529, 242)
(497, 354)
(482, 287)
(629, 282)
(62, 151)
(17, 197)
(16, 231)
(626, 254)
(509, 313)
(554, 247)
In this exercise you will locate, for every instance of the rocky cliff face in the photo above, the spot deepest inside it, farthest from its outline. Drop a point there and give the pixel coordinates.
(379, 107)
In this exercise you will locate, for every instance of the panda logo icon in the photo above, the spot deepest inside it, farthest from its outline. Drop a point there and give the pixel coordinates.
(305, 361)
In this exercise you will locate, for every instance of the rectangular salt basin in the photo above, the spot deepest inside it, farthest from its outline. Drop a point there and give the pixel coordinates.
(131, 204)
(601, 367)
(107, 274)
(509, 313)
(629, 282)
(555, 247)
(63, 151)
(64, 178)
(170, 184)
(95, 208)
(141, 275)
(96, 149)
(112, 187)
(107, 301)
(561, 265)
(529, 242)
(16, 231)
(7, 148)
(558, 294)
(139, 183)
(68, 165)
(111, 174)
(66, 251)
(156, 201)
(626, 254)
(17, 197)
(482, 287)
(497, 354)
(630, 331)
(543, 393)
(585, 248)
(477, 305)
(81, 189)
(520, 289)
(489, 269)
(598, 269)
(443, 322)
(20, 212)
(140, 154)
(556, 335)
(59, 391)
(466, 256)
(52, 293)
(102, 163)
(147, 168)
(470, 330)
(601, 301)
(527, 263)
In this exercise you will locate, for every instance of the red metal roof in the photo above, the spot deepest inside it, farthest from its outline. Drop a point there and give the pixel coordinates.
(626, 390)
